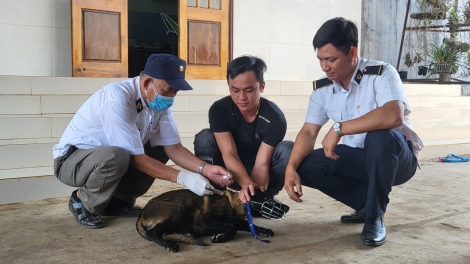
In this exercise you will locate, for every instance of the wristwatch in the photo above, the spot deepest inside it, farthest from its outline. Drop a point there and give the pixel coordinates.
(337, 129)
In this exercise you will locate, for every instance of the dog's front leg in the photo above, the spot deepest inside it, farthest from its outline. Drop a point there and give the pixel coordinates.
(243, 225)
(230, 233)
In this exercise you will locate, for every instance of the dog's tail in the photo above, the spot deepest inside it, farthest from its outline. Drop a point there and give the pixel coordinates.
(181, 238)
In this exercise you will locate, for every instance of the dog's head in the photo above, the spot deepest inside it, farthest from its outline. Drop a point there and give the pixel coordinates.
(267, 206)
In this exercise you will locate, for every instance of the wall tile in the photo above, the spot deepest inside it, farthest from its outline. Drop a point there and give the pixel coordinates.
(255, 48)
(250, 23)
(62, 104)
(59, 124)
(428, 101)
(303, 88)
(271, 88)
(202, 103)
(207, 87)
(181, 103)
(415, 102)
(461, 102)
(61, 52)
(67, 86)
(285, 26)
(286, 61)
(15, 128)
(61, 14)
(19, 105)
(29, 55)
(26, 12)
(26, 156)
(285, 102)
(191, 123)
(451, 132)
(446, 90)
(15, 85)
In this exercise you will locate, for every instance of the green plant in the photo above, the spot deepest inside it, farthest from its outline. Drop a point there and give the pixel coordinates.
(446, 54)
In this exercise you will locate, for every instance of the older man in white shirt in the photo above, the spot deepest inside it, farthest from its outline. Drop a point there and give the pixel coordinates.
(119, 140)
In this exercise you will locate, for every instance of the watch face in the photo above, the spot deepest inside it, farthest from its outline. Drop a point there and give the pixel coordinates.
(336, 126)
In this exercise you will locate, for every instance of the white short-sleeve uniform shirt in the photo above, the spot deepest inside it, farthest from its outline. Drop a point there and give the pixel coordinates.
(116, 115)
(366, 93)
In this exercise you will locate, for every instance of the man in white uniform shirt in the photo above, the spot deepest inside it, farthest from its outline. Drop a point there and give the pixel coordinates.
(368, 103)
(119, 140)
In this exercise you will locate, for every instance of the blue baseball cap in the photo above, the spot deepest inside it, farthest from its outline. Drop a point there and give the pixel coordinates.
(168, 67)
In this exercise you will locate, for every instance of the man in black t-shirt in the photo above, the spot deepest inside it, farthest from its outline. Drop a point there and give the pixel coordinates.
(246, 133)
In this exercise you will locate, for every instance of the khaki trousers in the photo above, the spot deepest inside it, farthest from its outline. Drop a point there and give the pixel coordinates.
(102, 172)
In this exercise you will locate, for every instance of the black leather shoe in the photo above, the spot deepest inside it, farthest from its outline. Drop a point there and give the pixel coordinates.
(374, 232)
(117, 207)
(81, 215)
(356, 217)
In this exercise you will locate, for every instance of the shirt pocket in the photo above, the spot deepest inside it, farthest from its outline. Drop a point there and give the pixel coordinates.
(335, 116)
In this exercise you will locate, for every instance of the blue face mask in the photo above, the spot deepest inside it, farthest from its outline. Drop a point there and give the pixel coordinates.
(161, 103)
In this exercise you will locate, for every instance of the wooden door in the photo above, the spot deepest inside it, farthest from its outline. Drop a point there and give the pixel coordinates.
(204, 37)
(99, 38)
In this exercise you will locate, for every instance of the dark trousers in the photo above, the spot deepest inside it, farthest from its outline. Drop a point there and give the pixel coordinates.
(205, 147)
(102, 172)
(362, 177)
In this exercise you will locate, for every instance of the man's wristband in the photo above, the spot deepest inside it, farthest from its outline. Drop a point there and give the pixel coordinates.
(201, 167)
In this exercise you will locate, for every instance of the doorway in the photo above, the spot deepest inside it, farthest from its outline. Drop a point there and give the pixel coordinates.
(152, 28)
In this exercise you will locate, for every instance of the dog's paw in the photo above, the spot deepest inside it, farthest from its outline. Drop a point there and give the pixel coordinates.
(261, 231)
(172, 247)
(218, 238)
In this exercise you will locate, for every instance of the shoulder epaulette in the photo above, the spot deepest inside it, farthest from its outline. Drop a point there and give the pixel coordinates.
(373, 70)
(369, 70)
(318, 84)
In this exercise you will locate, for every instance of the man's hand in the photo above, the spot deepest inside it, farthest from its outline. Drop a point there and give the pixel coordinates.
(292, 185)
(198, 184)
(216, 175)
(247, 191)
(329, 144)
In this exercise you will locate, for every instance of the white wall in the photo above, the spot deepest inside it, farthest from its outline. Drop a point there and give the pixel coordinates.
(281, 33)
(35, 38)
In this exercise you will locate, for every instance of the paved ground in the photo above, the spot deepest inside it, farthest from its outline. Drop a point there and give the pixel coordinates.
(428, 221)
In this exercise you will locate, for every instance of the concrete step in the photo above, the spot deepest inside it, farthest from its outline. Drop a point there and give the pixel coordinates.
(413, 89)
(419, 102)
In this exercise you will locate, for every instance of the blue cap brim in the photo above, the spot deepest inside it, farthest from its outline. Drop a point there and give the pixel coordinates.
(179, 84)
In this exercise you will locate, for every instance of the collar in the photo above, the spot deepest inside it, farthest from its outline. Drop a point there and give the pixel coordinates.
(358, 74)
(139, 101)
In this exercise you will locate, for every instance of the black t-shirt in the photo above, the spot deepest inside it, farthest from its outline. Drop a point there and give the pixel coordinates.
(269, 126)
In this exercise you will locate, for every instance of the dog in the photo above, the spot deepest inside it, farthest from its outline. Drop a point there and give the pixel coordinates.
(180, 215)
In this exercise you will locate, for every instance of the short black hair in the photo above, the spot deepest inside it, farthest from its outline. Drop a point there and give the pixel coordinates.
(339, 32)
(246, 63)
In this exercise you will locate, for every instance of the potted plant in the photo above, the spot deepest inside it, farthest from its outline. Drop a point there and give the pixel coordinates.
(446, 60)
(410, 60)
